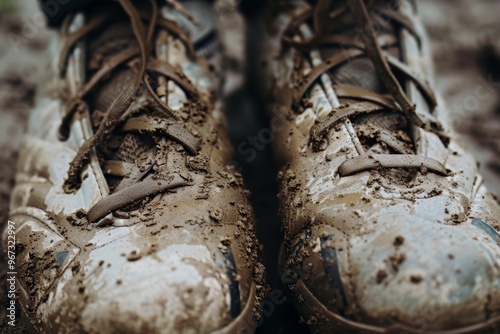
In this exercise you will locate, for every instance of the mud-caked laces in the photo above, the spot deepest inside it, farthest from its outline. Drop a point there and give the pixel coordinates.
(324, 15)
(121, 112)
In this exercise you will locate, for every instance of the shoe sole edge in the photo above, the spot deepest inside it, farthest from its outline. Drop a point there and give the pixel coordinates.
(311, 306)
(243, 324)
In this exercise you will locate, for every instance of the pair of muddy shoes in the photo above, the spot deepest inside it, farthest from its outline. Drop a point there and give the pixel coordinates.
(129, 218)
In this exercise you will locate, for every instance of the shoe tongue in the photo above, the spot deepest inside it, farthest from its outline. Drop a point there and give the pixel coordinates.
(386, 120)
(111, 40)
(361, 73)
(105, 43)
(109, 90)
(118, 36)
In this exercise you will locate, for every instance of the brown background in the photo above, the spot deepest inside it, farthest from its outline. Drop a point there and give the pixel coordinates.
(466, 44)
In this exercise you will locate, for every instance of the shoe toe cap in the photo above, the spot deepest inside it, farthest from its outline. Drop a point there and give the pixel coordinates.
(187, 296)
(408, 271)
(179, 289)
(425, 274)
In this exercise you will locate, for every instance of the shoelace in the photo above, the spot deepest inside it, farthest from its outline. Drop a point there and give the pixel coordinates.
(384, 64)
(120, 111)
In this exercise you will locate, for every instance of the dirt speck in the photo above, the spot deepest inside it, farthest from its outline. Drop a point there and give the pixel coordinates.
(399, 241)
(381, 276)
(416, 279)
(134, 256)
(396, 260)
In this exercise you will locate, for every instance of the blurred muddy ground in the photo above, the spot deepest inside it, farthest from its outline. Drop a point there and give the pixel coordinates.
(466, 43)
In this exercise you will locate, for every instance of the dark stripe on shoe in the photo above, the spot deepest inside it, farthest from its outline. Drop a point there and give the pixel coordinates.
(61, 257)
(331, 268)
(208, 44)
(489, 230)
(234, 286)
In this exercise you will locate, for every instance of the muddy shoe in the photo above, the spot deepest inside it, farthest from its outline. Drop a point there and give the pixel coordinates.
(388, 225)
(128, 217)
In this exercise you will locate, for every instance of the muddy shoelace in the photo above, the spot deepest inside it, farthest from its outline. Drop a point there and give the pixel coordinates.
(120, 113)
(323, 16)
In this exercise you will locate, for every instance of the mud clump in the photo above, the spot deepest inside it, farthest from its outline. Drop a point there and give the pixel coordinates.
(399, 241)
(416, 279)
(381, 276)
(396, 260)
